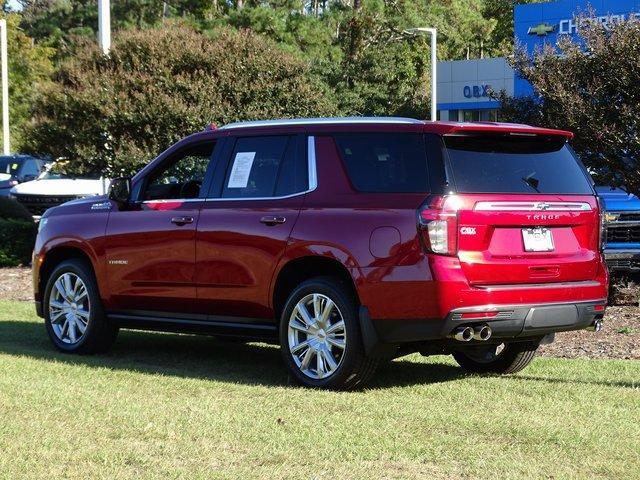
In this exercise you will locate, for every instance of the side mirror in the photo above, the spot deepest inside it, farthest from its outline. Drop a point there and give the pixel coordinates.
(29, 177)
(120, 190)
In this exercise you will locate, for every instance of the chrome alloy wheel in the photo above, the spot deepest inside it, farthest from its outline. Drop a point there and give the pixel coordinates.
(317, 336)
(69, 308)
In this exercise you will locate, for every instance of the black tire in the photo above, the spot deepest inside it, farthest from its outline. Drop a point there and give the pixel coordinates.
(354, 368)
(513, 358)
(100, 333)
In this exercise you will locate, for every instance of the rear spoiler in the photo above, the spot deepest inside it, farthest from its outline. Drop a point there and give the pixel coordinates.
(495, 128)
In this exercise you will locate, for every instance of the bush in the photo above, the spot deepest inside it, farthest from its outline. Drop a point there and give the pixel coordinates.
(9, 208)
(113, 114)
(17, 238)
(17, 233)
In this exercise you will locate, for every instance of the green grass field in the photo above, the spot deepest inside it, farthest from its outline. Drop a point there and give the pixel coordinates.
(191, 407)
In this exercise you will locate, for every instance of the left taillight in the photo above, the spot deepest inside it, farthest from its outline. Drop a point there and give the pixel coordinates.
(438, 225)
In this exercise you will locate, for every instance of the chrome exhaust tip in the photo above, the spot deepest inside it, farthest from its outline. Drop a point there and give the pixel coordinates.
(463, 334)
(596, 326)
(482, 332)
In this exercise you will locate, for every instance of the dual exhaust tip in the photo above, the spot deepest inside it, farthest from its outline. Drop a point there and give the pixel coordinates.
(478, 332)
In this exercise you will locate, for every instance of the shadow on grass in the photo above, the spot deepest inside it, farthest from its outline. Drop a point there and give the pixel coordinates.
(201, 357)
(577, 381)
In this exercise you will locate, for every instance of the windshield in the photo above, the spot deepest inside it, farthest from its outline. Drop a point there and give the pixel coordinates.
(9, 165)
(56, 172)
(515, 164)
(51, 175)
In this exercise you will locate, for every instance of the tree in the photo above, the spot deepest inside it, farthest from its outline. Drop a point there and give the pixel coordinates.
(591, 87)
(29, 65)
(500, 43)
(113, 114)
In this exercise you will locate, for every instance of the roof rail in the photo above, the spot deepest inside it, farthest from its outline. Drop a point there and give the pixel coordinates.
(321, 121)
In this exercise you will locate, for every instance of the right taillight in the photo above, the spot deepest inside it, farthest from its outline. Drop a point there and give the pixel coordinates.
(602, 231)
(438, 224)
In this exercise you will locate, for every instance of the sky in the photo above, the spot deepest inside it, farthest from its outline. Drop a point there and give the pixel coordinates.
(14, 5)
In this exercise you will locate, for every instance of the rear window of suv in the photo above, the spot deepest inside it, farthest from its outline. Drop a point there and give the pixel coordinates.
(385, 162)
(515, 164)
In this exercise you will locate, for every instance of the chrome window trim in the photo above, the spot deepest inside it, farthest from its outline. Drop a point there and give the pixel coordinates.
(312, 178)
(323, 121)
(311, 161)
(517, 206)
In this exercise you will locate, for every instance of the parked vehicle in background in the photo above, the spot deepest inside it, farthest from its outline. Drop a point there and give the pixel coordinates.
(54, 187)
(345, 240)
(622, 229)
(15, 169)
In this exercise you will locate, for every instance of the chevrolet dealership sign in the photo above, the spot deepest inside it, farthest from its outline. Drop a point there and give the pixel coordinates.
(570, 26)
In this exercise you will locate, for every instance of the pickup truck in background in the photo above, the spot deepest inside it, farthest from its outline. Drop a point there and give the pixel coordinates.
(622, 230)
(53, 187)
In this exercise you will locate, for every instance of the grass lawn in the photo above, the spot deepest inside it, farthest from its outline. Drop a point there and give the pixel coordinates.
(169, 406)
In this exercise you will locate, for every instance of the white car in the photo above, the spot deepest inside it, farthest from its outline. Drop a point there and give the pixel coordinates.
(51, 189)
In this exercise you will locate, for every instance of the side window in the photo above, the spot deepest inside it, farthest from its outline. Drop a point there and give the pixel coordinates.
(264, 167)
(30, 169)
(385, 162)
(181, 176)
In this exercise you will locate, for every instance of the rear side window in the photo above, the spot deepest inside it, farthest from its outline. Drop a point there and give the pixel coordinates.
(265, 167)
(385, 162)
(515, 164)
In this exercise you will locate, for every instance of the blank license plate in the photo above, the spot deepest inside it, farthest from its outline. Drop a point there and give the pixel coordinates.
(537, 240)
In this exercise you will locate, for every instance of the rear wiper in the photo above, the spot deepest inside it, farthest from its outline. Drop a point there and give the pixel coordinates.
(532, 182)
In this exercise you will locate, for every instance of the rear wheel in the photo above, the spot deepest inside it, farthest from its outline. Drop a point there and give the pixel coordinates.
(73, 313)
(320, 336)
(501, 359)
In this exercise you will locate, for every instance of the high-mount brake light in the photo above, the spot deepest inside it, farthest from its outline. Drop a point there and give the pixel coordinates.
(438, 224)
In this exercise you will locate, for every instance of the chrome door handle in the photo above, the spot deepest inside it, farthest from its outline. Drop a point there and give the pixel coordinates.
(269, 220)
(181, 220)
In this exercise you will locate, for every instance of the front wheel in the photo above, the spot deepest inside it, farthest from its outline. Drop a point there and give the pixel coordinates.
(320, 336)
(500, 359)
(73, 313)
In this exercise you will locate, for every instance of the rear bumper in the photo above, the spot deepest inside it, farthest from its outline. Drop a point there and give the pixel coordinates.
(622, 260)
(518, 321)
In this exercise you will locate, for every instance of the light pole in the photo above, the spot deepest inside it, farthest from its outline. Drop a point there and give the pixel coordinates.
(104, 25)
(6, 147)
(433, 33)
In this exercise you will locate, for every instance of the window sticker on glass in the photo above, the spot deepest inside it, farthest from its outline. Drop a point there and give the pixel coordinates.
(241, 170)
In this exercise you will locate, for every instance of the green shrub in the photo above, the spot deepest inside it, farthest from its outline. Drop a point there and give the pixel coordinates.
(17, 238)
(9, 208)
(113, 114)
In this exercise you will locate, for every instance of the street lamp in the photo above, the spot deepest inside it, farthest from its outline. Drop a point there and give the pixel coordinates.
(433, 33)
(6, 146)
(104, 25)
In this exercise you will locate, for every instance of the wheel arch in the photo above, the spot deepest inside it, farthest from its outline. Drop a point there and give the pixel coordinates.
(299, 269)
(56, 255)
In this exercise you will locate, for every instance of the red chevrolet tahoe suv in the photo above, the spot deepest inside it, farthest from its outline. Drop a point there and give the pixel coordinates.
(345, 240)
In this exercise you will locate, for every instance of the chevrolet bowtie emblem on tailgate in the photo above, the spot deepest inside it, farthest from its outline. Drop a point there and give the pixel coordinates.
(542, 206)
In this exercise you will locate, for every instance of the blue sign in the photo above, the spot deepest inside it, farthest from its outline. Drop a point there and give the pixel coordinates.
(476, 91)
(539, 24)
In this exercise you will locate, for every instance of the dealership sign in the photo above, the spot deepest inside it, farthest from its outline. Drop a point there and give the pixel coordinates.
(476, 91)
(571, 26)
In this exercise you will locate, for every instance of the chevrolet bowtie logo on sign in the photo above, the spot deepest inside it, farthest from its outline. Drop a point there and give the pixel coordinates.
(541, 30)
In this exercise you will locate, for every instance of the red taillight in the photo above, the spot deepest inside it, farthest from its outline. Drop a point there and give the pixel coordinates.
(438, 224)
(602, 231)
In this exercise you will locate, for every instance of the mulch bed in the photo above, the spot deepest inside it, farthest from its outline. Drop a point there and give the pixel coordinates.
(620, 337)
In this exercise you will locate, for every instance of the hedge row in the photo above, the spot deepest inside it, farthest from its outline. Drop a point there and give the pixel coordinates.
(17, 238)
